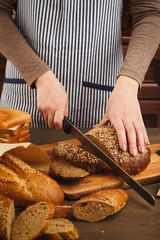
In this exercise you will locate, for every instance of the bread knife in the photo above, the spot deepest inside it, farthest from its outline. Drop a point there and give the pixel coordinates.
(69, 128)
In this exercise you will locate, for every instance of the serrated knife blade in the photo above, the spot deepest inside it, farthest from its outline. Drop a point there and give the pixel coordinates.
(69, 128)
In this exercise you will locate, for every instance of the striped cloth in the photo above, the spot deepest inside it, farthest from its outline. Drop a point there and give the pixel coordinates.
(80, 40)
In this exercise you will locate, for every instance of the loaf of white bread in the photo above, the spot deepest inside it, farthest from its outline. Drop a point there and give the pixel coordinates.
(99, 205)
(30, 154)
(14, 125)
(26, 185)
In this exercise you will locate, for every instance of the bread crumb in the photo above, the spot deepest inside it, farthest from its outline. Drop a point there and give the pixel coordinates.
(102, 231)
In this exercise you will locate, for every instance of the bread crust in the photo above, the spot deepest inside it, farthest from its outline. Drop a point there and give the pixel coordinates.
(106, 138)
(80, 157)
(12, 117)
(33, 156)
(7, 217)
(26, 185)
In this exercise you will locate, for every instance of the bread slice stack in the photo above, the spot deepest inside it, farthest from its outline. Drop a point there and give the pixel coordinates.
(33, 221)
(14, 126)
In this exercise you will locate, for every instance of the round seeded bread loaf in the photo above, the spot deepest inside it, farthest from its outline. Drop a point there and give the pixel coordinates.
(106, 138)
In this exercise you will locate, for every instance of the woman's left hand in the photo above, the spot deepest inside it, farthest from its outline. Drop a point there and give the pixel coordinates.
(123, 111)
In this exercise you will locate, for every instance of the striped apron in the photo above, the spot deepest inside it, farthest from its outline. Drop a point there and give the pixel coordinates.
(80, 40)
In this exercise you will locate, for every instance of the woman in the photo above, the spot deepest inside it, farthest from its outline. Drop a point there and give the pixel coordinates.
(70, 55)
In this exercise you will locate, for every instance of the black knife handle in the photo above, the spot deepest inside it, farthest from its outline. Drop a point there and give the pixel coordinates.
(66, 125)
(158, 152)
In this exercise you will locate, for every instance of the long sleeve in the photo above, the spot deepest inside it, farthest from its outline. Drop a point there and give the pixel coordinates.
(14, 47)
(145, 38)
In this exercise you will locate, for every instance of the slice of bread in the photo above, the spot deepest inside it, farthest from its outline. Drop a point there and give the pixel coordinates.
(61, 211)
(33, 221)
(59, 229)
(79, 157)
(12, 117)
(106, 138)
(21, 137)
(7, 217)
(61, 169)
(99, 205)
(13, 131)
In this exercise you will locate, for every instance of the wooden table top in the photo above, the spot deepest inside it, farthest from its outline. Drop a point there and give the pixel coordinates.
(136, 221)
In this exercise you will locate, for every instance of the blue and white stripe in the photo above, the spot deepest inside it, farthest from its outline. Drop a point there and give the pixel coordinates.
(81, 42)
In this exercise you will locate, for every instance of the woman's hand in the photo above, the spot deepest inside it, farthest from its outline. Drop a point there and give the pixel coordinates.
(52, 100)
(123, 111)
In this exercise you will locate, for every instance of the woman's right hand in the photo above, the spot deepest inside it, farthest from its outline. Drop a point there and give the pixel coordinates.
(52, 100)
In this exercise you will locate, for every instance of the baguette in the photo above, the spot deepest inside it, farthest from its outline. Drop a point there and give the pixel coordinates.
(26, 185)
(99, 205)
(7, 217)
(106, 138)
(33, 156)
(59, 229)
(80, 158)
(33, 221)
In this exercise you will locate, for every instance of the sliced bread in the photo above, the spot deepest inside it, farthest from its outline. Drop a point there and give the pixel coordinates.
(59, 229)
(7, 217)
(11, 117)
(106, 138)
(61, 211)
(79, 157)
(61, 169)
(33, 221)
(99, 205)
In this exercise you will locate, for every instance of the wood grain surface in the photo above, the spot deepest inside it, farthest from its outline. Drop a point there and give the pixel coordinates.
(96, 182)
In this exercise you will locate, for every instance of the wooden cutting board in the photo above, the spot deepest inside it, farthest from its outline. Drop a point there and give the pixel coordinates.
(97, 182)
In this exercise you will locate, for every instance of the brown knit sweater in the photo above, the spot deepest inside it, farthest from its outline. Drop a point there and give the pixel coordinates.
(144, 42)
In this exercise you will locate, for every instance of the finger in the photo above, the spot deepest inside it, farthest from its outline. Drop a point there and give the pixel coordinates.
(131, 136)
(51, 120)
(41, 113)
(44, 115)
(66, 112)
(104, 121)
(121, 133)
(141, 133)
(58, 119)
